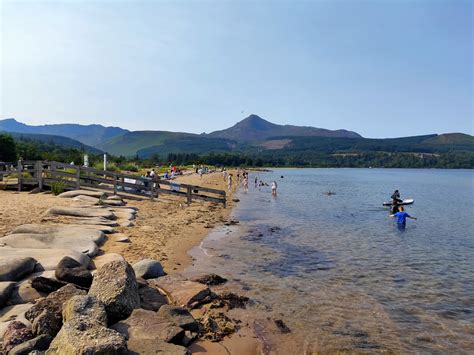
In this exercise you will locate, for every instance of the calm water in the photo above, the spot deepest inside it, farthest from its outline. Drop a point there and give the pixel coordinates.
(338, 271)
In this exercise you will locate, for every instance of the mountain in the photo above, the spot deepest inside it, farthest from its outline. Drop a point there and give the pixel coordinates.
(254, 128)
(64, 142)
(92, 135)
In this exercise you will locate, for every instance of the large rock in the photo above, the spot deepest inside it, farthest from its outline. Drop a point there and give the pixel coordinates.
(80, 212)
(151, 299)
(148, 269)
(79, 243)
(143, 324)
(106, 224)
(116, 287)
(90, 193)
(46, 314)
(86, 199)
(47, 259)
(85, 306)
(83, 336)
(182, 292)
(46, 284)
(24, 293)
(124, 215)
(94, 232)
(15, 267)
(40, 343)
(101, 260)
(69, 270)
(179, 316)
(15, 334)
(6, 289)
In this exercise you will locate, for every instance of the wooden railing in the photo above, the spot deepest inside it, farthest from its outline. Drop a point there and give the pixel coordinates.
(45, 173)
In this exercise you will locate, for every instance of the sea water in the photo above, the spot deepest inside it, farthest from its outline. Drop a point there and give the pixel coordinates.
(337, 270)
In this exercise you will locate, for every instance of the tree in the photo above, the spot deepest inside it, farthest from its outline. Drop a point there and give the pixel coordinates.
(7, 148)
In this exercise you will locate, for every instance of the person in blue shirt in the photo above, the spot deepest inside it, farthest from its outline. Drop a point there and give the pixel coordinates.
(402, 216)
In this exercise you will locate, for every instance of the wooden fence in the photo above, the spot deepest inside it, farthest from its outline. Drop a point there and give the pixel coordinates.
(45, 173)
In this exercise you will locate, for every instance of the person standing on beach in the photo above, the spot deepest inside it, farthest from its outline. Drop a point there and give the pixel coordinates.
(229, 182)
(402, 216)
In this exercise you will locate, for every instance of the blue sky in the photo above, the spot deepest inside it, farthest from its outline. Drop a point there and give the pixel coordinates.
(382, 68)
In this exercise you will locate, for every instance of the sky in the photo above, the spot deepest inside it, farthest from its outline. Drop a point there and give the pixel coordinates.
(382, 68)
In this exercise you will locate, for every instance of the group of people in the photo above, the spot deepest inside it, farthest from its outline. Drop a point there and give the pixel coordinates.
(242, 177)
(398, 211)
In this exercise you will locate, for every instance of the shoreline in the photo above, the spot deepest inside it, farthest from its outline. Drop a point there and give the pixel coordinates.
(167, 228)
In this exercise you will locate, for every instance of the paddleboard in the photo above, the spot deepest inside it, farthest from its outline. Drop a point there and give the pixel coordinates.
(407, 201)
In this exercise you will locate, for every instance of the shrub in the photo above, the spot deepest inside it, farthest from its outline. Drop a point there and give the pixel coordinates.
(129, 167)
(58, 187)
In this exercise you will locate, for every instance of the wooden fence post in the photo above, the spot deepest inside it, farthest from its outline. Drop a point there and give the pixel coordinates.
(114, 176)
(189, 194)
(78, 177)
(39, 174)
(225, 200)
(20, 169)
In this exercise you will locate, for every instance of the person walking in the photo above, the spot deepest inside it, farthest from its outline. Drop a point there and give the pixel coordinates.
(402, 216)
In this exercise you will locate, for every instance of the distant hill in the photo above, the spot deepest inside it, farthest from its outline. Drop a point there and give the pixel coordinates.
(146, 143)
(92, 135)
(253, 137)
(64, 142)
(254, 128)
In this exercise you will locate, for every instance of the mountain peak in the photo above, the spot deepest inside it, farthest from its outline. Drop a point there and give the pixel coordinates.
(254, 122)
(255, 128)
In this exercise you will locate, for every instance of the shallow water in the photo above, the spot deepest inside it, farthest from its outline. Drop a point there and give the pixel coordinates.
(340, 273)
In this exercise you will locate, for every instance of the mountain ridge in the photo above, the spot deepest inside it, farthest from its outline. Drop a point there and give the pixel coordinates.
(255, 128)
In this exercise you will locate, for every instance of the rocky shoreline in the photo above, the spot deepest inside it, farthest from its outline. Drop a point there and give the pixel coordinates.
(59, 294)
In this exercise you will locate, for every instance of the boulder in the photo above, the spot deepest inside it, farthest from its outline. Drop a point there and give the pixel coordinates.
(79, 243)
(85, 306)
(69, 270)
(15, 334)
(182, 292)
(83, 336)
(86, 199)
(46, 259)
(155, 346)
(80, 212)
(180, 317)
(101, 260)
(111, 202)
(143, 324)
(40, 343)
(90, 193)
(15, 267)
(94, 232)
(46, 314)
(211, 280)
(148, 269)
(46, 284)
(115, 198)
(115, 285)
(24, 293)
(6, 288)
(151, 299)
(95, 222)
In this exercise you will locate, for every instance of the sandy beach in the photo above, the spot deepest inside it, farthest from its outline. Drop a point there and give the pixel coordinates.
(165, 229)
